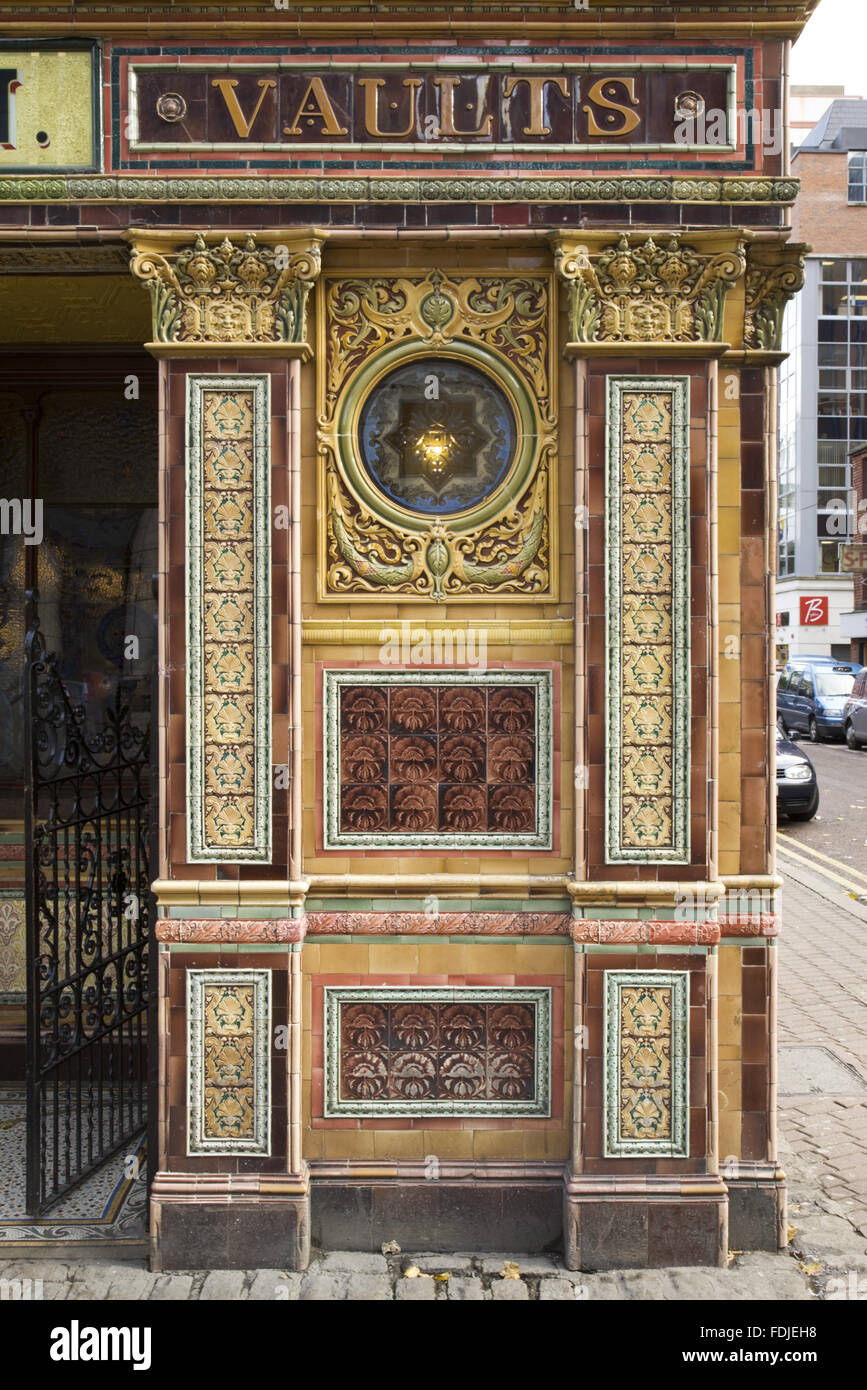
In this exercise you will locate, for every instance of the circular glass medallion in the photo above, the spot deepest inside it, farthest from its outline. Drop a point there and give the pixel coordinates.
(437, 436)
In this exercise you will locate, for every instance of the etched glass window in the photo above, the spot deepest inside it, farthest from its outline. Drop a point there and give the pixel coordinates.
(437, 436)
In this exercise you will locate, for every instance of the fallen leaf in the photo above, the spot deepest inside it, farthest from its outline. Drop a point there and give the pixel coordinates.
(810, 1269)
(390, 1247)
(441, 1278)
(791, 1232)
(510, 1270)
(411, 1272)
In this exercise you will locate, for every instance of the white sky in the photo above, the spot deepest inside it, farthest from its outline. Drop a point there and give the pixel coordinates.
(832, 47)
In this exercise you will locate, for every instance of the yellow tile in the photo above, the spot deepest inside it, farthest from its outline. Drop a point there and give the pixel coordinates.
(729, 678)
(348, 1143)
(729, 1086)
(730, 1135)
(310, 959)
(490, 960)
(398, 1143)
(729, 530)
(729, 970)
(448, 1143)
(534, 1143)
(441, 958)
(729, 776)
(727, 1053)
(542, 959)
(339, 959)
(729, 827)
(557, 1143)
(729, 486)
(496, 1143)
(729, 729)
(394, 959)
(313, 1141)
(730, 1021)
(729, 577)
(729, 861)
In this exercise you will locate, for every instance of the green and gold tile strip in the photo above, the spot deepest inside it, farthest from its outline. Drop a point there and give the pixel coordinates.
(228, 605)
(647, 620)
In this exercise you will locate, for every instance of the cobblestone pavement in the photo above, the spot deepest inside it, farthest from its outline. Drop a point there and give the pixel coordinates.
(823, 1145)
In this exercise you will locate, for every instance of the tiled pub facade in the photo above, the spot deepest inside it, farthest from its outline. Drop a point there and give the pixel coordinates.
(468, 908)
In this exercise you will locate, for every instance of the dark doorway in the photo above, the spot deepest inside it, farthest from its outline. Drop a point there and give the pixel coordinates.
(78, 452)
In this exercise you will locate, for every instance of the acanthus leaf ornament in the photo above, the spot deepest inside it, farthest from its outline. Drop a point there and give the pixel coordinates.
(215, 293)
(774, 275)
(647, 290)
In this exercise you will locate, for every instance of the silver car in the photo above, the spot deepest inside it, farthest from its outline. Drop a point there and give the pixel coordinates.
(855, 713)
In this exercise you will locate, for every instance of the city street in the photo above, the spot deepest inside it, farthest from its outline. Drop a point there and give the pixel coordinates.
(840, 826)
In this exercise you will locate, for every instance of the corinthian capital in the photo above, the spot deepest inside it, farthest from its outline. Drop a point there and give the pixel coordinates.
(219, 291)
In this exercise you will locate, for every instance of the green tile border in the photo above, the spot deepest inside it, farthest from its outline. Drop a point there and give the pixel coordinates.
(259, 188)
(615, 1146)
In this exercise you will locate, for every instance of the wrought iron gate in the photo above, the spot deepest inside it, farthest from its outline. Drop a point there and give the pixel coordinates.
(89, 914)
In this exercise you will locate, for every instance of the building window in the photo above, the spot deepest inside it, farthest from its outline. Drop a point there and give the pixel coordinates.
(858, 178)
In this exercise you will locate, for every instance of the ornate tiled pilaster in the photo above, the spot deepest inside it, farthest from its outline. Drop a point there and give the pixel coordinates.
(774, 274)
(647, 628)
(228, 619)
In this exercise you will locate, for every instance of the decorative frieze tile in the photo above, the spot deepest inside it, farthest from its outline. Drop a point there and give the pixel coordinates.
(229, 1029)
(408, 923)
(437, 759)
(437, 1051)
(228, 619)
(647, 620)
(646, 1063)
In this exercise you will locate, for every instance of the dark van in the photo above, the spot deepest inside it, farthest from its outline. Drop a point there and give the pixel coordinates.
(811, 695)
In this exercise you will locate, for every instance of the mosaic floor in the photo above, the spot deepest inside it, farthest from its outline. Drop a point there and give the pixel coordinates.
(108, 1206)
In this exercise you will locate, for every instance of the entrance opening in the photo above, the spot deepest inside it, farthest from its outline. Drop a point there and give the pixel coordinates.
(78, 556)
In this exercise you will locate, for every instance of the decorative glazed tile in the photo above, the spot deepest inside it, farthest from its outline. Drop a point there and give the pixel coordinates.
(228, 567)
(230, 768)
(229, 1031)
(439, 758)
(228, 619)
(647, 620)
(647, 771)
(646, 1063)
(13, 959)
(229, 719)
(647, 468)
(228, 465)
(437, 1051)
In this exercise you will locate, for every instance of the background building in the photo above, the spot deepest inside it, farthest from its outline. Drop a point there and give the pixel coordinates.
(823, 384)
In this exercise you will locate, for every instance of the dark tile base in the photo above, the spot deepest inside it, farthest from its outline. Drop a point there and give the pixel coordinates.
(522, 1218)
(618, 1234)
(757, 1215)
(236, 1235)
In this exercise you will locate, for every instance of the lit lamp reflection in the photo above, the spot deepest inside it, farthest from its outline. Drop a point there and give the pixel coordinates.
(435, 448)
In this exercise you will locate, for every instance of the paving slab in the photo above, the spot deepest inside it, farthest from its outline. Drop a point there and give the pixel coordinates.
(172, 1287)
(422, 1289)
(465, 1290)
(509, 1291)
(277, 1285)
(226, 1285)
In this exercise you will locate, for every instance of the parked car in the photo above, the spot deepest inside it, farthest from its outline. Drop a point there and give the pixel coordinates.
(855, 713)
(811, 694)
(797, 787)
